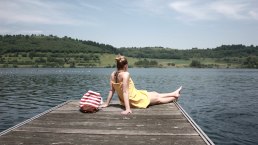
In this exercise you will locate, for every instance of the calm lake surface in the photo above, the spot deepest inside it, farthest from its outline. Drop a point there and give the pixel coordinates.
(223, 102)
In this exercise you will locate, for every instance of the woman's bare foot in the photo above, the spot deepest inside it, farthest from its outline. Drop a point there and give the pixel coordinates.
(177, 92)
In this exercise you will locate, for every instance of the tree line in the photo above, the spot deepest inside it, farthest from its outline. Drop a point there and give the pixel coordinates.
(54, 44)
(146, 63)
(224, 51)
(243, 56)
(66, 50)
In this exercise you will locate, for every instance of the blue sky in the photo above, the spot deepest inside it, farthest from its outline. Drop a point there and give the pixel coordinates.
(180, 24)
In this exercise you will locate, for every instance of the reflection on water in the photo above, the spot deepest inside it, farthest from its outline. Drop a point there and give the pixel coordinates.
(222, 101)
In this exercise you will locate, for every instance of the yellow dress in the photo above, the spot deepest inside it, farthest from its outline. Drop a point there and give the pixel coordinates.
(137, 98)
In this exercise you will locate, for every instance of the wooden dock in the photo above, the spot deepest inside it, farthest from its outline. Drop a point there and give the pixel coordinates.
(65, 125)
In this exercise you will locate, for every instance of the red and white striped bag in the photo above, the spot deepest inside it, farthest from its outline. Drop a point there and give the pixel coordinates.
(90, 102)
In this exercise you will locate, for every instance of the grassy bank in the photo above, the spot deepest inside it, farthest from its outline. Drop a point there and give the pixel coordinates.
(20, 60)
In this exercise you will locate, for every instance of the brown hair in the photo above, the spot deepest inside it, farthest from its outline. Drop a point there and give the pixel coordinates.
(121, 61)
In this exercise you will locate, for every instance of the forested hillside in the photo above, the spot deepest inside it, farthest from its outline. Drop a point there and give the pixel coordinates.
(54, 44)
(53, 51)
(50, 51)
(223, 51)
(238, 55)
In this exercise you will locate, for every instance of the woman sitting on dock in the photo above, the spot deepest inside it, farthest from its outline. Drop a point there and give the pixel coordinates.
(129, 96)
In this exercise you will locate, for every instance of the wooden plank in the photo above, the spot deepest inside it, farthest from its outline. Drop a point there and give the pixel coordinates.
(160, 124)
(78, 139)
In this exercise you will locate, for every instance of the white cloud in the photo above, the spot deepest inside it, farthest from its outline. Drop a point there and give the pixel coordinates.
(190, 10)
(151, 6)
(86, 5)
(214, 10)
(142, 7)
(38, 12)
(254, 14)
(230, 9)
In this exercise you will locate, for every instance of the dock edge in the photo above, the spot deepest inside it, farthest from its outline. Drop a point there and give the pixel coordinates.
(34, 117)
(203, 135)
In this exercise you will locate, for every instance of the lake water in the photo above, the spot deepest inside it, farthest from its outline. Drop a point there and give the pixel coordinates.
(223, 102)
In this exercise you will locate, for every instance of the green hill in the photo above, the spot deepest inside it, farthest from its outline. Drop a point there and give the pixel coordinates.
(53, 44)
(50, 51)
(53, 51)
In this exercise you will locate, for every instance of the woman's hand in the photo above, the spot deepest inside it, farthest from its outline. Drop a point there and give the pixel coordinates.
(127, 112)
(104, 105)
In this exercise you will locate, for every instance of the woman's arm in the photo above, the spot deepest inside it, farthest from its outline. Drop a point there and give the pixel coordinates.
(126, 77)
(110, 94)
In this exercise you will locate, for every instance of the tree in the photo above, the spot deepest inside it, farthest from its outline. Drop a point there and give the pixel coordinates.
(195, 63)
(251, 62)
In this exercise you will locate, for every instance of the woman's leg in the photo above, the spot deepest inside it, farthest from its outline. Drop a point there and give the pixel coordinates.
(163, 98)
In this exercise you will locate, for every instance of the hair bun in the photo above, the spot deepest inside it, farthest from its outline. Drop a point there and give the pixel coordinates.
(119, 58)
(121, 61)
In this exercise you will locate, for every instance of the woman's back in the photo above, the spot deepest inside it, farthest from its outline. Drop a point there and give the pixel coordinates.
(137, 98)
